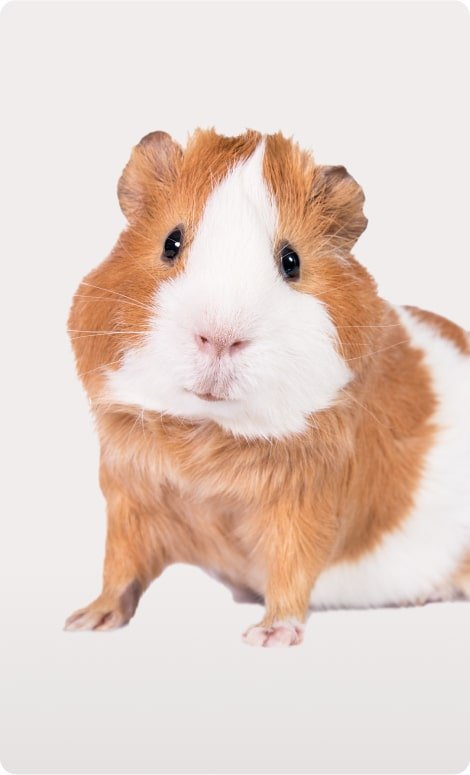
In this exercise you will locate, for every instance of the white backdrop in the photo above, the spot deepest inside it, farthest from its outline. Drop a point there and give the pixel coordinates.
(379, 87)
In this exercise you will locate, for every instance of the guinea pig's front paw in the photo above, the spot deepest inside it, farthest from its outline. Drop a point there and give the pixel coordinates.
(104, 613)
(284, 633)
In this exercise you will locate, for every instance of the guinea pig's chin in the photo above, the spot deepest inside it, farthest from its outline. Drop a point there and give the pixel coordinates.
(192, 404)
(240, 416)
(207, 395)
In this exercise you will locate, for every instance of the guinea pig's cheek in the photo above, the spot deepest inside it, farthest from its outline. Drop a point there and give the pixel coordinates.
(133, 382)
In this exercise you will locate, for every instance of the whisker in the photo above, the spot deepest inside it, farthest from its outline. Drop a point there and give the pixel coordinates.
(105, 333)
(335, 288)
(101, 331)
(355, 344)
(378, 325)
(154, 277)
(103, 366)
(133, 427)
(116, 293)
(375, 352)
(106, 298)
(366, 409)
(142, 236)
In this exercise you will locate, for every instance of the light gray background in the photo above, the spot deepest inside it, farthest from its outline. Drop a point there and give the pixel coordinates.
(382, 88)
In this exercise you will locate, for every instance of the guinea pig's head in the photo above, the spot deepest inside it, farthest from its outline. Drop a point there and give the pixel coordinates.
(232, 295)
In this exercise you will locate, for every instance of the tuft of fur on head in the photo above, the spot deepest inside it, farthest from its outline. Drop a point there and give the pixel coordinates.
(137, 320)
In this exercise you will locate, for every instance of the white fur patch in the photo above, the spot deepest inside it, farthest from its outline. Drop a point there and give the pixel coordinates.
(417, 560)
(232, 288)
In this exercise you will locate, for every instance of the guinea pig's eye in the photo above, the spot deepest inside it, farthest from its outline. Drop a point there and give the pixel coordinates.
(290, 263)
(172, 245)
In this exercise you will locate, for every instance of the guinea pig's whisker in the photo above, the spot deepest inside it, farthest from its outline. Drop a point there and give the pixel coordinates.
(103, 331)
(335, 288)
(378, 325)
(102, 366)
(355, 344)
(87, 334)
(127, 252)
(375, 352)
(152, 276)
(106, 298)
(133, 427)
(365, 408)
(143, 236)
(117, 293)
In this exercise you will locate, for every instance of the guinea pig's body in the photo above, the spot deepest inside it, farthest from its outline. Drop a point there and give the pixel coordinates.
(262, 413)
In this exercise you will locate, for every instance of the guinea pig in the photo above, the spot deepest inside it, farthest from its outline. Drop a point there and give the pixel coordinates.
(262, 412)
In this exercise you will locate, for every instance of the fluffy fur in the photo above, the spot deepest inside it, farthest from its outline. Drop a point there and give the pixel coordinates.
(330, 466)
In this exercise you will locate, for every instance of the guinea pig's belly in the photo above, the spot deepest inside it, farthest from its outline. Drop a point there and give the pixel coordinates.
(215, 538)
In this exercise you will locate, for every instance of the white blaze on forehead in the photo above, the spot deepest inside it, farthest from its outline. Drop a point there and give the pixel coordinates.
(238, 207)
(231, 257)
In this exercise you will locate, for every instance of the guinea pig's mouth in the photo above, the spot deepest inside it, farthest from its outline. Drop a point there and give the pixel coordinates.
(206, 396)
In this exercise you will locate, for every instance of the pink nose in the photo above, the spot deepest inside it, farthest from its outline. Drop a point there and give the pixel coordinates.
(216, 346)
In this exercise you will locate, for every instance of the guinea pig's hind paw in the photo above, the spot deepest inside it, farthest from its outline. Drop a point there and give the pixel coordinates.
(277, 635)
(99, 615)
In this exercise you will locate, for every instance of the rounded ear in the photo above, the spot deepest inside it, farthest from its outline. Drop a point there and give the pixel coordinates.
(153, 164)
(341, 200)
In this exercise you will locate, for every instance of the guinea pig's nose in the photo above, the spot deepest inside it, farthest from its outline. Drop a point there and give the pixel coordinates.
(216, 346)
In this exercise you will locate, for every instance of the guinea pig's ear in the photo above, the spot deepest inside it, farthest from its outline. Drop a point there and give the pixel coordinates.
(340, 199)
(153, 164)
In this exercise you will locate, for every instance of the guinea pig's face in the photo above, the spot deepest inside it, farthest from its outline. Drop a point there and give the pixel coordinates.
(226, 297)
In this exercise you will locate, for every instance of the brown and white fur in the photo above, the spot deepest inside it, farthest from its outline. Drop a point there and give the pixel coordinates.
(332, 466)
